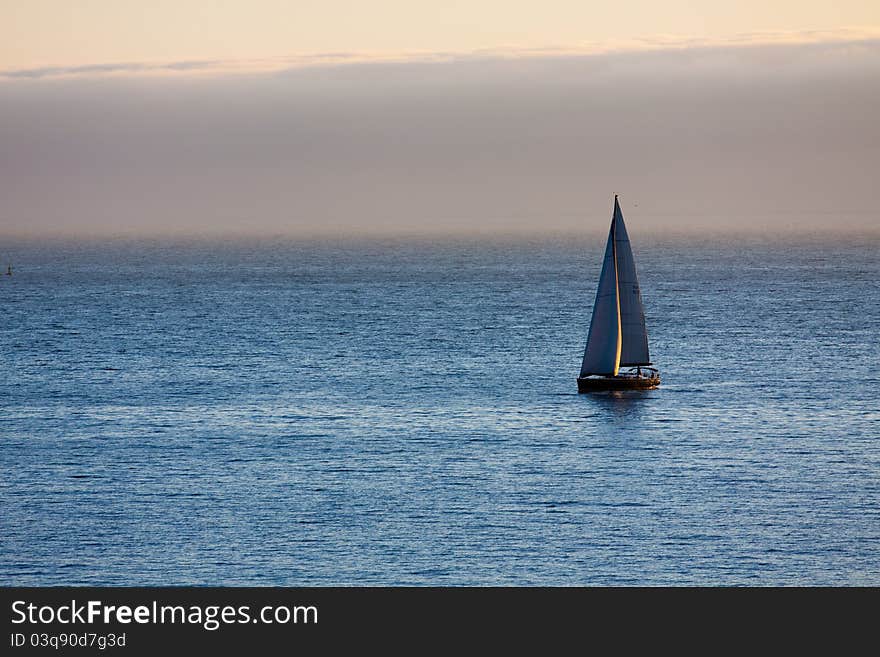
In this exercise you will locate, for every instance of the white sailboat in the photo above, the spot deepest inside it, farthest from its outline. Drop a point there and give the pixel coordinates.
(618, 337)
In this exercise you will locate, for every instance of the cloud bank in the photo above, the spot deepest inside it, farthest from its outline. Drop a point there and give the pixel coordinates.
(741, 134)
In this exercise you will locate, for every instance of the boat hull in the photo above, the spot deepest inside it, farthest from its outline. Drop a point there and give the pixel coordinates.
(599, 383)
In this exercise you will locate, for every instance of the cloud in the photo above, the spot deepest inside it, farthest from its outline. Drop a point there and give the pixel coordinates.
(658, 43)
(738, 136)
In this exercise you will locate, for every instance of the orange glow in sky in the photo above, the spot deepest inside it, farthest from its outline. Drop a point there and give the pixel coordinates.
(36, 33)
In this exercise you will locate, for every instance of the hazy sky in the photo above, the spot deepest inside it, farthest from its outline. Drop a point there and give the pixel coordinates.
(36, 33)
(353, 116)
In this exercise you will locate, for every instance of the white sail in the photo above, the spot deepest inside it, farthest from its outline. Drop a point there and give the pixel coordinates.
(602, 355)
(634, 335)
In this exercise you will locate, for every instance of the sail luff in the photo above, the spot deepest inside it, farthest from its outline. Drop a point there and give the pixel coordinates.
(616, 298)
(602, 353)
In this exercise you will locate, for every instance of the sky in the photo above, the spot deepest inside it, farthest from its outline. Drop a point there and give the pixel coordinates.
(268, 117)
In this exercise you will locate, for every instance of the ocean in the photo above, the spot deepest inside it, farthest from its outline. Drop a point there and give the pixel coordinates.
(405, 412)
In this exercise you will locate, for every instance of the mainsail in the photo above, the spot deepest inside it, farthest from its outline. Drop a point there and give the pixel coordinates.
(617, 334)
(634, 338)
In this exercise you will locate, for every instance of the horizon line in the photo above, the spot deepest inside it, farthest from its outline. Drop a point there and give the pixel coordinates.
(793, 233)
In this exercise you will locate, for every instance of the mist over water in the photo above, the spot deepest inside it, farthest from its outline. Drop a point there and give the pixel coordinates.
(694, 139)
(405, 412)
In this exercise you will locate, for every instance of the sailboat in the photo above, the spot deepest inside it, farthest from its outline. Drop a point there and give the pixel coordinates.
(618, 337)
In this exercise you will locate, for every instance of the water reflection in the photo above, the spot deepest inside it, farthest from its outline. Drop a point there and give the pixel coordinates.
(622, 404)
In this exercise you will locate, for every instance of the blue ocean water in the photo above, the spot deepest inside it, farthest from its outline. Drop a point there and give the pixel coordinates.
(405, 412)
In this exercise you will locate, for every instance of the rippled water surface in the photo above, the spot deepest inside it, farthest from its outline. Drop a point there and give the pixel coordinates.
(388, 412)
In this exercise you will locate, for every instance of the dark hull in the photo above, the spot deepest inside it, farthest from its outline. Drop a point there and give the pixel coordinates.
(598, 383)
